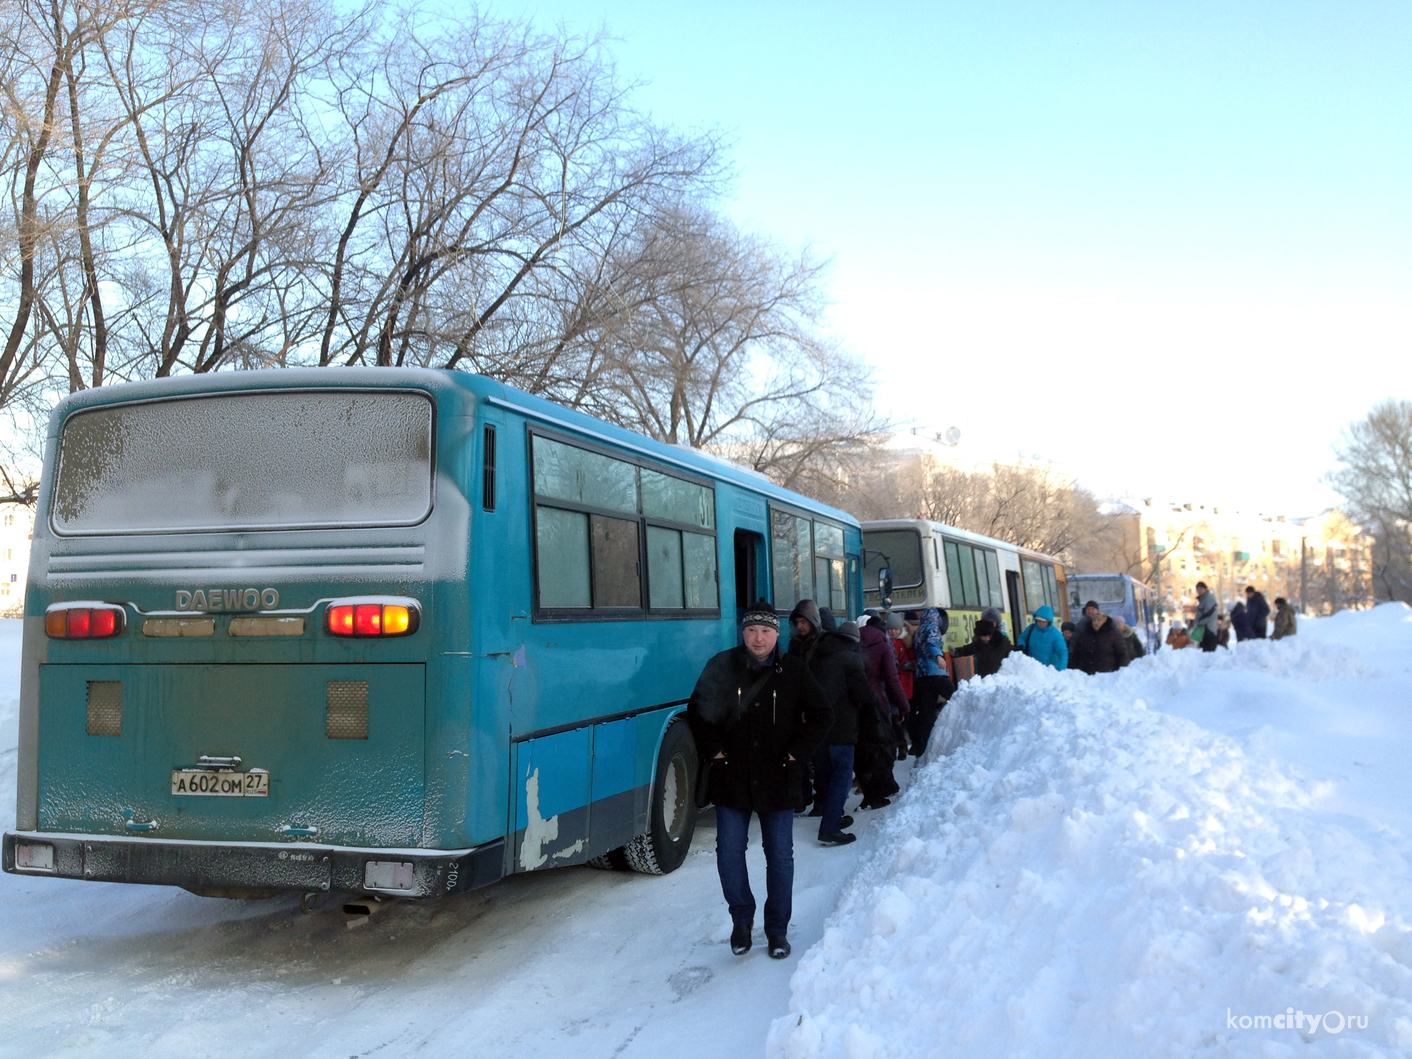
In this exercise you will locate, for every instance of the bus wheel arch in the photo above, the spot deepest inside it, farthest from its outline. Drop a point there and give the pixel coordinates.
(672, 820)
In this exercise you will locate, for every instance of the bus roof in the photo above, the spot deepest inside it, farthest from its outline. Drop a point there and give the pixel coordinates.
(439, 381)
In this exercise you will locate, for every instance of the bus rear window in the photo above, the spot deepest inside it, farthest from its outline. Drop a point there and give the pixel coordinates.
(287, 459)
(1107, 591)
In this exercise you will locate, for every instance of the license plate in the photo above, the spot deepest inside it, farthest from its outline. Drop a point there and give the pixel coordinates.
(221, 784)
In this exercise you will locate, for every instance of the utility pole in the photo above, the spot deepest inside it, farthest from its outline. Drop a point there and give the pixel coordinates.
(1304, 574)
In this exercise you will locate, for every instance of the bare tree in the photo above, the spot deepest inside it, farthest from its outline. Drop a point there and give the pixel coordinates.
(695, 333)
(1376, 480)
(200, 185)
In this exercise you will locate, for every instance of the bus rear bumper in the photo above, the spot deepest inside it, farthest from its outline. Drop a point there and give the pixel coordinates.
(253, 866)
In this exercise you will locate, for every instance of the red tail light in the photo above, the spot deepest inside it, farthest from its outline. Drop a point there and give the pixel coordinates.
(84, 621)
(376, 618)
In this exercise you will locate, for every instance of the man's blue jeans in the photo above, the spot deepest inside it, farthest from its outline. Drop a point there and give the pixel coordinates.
(833, 776)
(777, 838)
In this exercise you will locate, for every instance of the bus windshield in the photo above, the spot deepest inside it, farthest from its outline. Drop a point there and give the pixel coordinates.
(901, 548)
(282, 459)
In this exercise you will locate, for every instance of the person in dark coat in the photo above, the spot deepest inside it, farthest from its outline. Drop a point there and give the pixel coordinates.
(1257, 610)
(989, 646)
(1286, 624)
(755, 743)
(1098, 646)
(836, 662)
(1240, 623)
(877, 740)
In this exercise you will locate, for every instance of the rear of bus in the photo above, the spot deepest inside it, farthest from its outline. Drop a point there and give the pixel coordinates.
(239, 589)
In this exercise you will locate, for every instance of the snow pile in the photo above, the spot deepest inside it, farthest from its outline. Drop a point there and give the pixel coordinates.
(1075, 873)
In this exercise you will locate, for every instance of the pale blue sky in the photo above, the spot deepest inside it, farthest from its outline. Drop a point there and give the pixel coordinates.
(1077, 229)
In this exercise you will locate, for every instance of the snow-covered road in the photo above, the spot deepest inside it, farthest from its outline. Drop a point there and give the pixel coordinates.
(568, 962)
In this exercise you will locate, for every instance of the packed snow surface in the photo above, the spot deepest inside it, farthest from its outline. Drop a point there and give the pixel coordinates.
(1158, 862)
(1082, 869)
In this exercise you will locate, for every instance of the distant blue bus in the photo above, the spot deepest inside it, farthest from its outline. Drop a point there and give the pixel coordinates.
(1117, 595)
(383, 631)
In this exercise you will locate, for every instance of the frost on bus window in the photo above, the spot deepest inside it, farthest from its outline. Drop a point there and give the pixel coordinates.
(671, 498)
(664, 567)
(789, 555)
(828, 582)
(561, 540)
(568, 473)
(616, 582)
(828, 540)
(269, 460)
(699, 561)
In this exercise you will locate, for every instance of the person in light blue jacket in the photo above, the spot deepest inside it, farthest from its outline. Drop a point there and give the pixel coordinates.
(1043, 642)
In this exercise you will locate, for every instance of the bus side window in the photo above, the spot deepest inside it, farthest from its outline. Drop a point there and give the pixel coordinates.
(487, 491)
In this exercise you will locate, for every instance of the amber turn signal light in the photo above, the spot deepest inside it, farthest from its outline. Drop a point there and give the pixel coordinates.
(86, 621)
(373, 619)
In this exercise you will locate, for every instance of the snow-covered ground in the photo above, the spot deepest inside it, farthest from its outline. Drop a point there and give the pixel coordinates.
(1199, 855)
(1122, 866)
(570, 962)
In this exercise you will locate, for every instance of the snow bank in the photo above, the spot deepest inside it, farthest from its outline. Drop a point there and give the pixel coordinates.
(1074, 873)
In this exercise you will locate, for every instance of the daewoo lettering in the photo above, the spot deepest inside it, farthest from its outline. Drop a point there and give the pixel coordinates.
(231, 599)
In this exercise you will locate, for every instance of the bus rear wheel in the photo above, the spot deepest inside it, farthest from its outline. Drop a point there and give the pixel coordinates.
(668, 839)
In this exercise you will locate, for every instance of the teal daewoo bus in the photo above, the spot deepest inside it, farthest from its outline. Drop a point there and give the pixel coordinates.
(376, 630)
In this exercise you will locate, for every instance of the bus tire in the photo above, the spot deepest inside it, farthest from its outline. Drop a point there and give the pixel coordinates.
(613, 860)
(668, 839)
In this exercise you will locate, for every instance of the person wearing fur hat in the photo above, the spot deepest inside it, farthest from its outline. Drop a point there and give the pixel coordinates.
(757, 715)
(989, 646)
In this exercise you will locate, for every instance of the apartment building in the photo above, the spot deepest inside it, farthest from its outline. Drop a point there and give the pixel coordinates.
(1322, 564)
(16, 527)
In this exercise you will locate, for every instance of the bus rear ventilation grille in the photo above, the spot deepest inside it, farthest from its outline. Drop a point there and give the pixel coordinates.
(105, 707)
(346, 716)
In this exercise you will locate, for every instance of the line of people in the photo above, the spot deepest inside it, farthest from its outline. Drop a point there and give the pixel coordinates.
(1248, 619)
(784, 732)
(763, 719)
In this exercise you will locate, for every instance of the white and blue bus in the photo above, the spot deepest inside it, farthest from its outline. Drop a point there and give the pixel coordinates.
(1118, 595)
(935, 565)
(378, 630)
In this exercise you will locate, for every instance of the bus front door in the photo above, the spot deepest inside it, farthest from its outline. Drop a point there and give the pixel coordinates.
(749, 559)
(1012, 588)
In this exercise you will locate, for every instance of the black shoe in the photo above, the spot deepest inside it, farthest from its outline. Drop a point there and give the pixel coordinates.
(818, 810)
(802, 809)
(740, 939)
(845, 821)
(779, 948)
(875, 805)
(838, 838)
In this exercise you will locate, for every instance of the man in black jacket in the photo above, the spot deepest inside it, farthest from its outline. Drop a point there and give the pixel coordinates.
(757, 715)
(1257, 612)
(836, 661)
(1098, 646)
